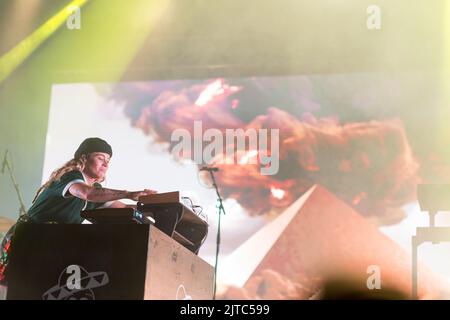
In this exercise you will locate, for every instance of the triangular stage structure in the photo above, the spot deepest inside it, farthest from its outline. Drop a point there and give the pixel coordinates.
(320, 236)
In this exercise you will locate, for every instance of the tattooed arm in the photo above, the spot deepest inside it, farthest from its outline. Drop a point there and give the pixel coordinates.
(92, 194)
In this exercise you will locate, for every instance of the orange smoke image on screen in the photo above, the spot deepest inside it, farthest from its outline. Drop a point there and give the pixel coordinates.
(369, 165)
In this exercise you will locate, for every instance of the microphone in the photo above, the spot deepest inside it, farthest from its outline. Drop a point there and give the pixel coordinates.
(5, 159)
(212, 169)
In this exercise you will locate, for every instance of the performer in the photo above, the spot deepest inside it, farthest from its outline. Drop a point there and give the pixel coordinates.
(76, 186)
(72, 188)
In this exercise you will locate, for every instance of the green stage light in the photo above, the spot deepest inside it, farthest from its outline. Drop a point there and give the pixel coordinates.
(16, 56)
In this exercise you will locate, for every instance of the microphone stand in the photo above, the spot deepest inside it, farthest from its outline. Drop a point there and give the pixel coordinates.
(221, 210)
(6, 164)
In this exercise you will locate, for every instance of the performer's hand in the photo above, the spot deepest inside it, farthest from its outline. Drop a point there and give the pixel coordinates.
(136, 194)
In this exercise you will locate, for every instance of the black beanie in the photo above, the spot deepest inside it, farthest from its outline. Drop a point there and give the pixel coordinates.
(91, 145)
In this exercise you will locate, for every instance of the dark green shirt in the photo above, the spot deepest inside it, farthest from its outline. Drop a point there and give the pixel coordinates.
(56, 204)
